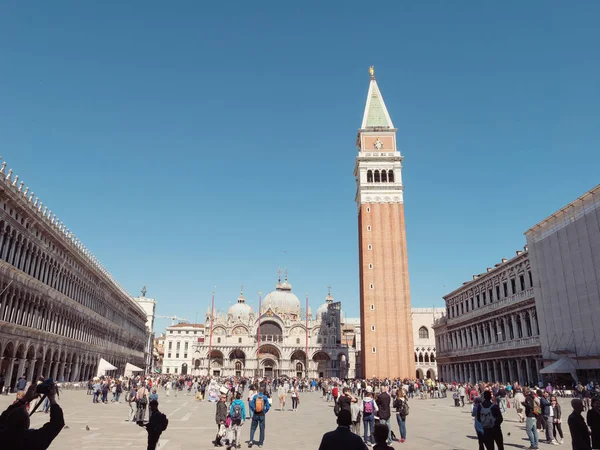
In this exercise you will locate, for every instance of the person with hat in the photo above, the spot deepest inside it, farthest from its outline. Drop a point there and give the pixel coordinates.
(220, 418)
(342, 437)
(369, 411)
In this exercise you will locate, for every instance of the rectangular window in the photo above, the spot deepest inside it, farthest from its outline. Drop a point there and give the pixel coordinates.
(479, 301)
(505, 286)
(177, 355)
(168, 355)
(170, 345)
(372, 307)
(484, 299)
(187, 332)
(175, 369)
(179, 332)
(185, 356)
(239, 340)
(530, 279)
(186, 346)
(374, 350)
(178, 345)
(167, 370)
(372, 327)
(467, 307)
(472, 303)
(462, 308)
(498, 292)
(522, 282)
(513, 285)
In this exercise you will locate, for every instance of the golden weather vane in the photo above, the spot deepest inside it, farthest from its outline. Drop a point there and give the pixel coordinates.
(372, 71)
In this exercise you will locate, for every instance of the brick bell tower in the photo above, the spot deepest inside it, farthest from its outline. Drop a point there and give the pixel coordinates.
(387, 348)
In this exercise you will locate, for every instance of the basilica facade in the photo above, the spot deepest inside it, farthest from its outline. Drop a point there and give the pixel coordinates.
(279, 340)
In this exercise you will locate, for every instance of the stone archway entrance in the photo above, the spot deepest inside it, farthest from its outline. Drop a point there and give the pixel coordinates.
(269, 367)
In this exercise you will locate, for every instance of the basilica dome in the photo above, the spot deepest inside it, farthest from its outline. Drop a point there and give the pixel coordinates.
(282, 301)
(323, 308)
(241, 309)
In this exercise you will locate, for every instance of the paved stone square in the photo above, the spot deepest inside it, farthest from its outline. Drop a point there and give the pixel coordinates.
(432, 424)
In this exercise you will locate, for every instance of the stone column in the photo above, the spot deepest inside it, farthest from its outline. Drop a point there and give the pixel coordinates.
(503, 370)
(511, 371)
(534, 323)
(30, 370)
(55, 370)
(9, 373)
(537, 370)
(19, 368)
(520, 377)
(529, 374)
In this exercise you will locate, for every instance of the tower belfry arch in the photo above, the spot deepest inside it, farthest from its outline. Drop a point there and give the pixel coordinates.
(385, 310)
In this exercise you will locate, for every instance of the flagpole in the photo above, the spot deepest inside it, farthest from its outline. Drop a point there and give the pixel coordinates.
(212, 315)
(259, 313)
(306, 353)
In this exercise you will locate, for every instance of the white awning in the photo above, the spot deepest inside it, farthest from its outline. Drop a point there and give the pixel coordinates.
(563, 365)
(103, 366)
(130, 368)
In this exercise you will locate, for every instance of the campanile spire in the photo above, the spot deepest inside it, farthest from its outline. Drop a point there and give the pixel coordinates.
(386, 325)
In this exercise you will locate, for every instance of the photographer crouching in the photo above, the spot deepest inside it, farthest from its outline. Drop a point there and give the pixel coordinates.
(15, 433)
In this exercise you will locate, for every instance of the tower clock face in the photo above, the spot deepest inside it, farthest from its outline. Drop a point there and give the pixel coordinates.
(378, 144)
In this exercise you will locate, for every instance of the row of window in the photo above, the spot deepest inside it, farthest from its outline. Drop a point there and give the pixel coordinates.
(27, 256)
(482, 299)
(377, 176)
(187, 332)
(177, 355)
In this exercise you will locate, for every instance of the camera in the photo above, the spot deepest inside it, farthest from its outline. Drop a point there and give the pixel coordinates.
(44, 387)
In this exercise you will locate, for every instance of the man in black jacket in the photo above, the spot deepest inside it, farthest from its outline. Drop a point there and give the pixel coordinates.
(14, 424)
(580, 433)
(384, 403)
(342, 437)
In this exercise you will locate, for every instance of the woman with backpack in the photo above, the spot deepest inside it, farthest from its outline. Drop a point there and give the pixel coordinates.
(369, 411)
(142, 399)
(401, 405)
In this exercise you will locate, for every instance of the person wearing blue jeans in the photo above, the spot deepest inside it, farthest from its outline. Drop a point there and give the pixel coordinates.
(532, 432)
(259, 405)
(531, 421)
(369, 411)
(369, 425)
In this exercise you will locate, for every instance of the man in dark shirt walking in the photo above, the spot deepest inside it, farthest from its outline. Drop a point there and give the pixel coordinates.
(384, 403)
(342, 437)
(580, 433)
(346, 400)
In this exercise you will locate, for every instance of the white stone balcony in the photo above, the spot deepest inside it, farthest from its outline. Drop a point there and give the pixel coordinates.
(498, 304)
(512, 344)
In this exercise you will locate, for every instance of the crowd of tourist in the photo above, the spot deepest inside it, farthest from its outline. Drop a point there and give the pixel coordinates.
(368, 411)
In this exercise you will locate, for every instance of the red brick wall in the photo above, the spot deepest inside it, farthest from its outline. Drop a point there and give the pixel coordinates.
(393, 336)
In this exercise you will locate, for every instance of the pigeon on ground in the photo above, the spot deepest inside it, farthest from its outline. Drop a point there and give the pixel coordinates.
(87, 428)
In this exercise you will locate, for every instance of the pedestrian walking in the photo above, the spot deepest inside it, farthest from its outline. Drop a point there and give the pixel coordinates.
(556, 420)
(260, 407)
(156, 425)
(532, 409)
(580, 434)
(593, 421)
(237, 412)
(342, 437)
(402, 409)
(490, 417)
(384, 406)
(142, 400)
(369, 411)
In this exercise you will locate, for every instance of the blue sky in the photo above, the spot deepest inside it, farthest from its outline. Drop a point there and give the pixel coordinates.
(188, 143)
